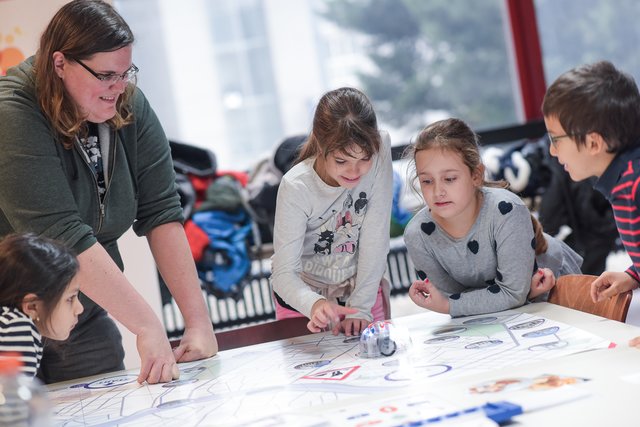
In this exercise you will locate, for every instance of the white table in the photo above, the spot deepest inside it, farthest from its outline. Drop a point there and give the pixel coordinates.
(614, 398)
(278, 378)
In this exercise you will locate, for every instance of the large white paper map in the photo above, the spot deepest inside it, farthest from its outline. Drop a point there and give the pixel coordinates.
(263, 382)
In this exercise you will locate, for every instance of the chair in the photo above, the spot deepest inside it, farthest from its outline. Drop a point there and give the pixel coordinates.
(573, 291)
(257, 334)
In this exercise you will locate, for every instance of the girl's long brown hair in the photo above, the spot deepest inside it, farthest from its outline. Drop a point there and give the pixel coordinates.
(541, 242)
(79, 30)
(343, 117)
(456, 136)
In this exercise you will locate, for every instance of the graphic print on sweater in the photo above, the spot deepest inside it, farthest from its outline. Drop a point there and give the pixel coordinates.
(342, 237)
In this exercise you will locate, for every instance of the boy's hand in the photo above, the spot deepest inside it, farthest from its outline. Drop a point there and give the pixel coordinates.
(635, 342)
(610, 284)
(542, 281)
(325, 314)
(426, 295)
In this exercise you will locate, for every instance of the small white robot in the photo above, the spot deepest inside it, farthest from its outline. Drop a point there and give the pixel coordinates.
(376, 340)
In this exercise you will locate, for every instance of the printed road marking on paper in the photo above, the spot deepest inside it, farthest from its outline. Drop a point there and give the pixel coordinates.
(290, 375)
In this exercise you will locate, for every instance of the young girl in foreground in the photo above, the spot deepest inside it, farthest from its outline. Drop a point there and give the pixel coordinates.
(474, 245)
(38, 295)
(331, 233)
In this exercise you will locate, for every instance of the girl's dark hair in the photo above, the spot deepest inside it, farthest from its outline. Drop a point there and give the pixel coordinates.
(343, 117)
(452, 135)
(34, 264)
(80, 29)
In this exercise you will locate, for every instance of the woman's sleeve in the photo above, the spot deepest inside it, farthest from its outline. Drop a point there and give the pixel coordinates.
(34, 191)
(158, 198)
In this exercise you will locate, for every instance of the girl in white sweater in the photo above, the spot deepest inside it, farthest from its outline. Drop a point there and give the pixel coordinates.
(331, 233)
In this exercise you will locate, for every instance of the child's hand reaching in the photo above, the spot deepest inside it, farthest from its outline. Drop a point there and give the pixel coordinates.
(353, 326)
(610, 284)
(426, 295)
(635, 342)
(542, 281)
(325, 314)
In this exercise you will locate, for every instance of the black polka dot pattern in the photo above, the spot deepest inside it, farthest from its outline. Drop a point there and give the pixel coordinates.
(428, 227)
(494, 289)
(533, 243)
(473, 246)
(499, 276)
(421, 274)
(455, 296)
(505, 207)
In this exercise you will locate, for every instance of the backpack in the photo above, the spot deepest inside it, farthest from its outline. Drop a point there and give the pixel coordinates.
(262, 188)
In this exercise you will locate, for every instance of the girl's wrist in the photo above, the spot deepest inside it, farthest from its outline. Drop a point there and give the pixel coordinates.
(316, 305)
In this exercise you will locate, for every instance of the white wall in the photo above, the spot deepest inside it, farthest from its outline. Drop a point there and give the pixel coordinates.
(21, 24)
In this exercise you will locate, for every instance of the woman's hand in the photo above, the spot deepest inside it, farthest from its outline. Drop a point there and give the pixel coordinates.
(326, 315)
(542, 281)
(610, 284)
(196, 344)
(158, 365)
(426, 295)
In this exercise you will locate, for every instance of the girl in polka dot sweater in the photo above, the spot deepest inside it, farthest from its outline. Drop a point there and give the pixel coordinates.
(473, 245)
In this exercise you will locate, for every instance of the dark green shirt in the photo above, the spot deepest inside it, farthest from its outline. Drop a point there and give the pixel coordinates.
(52, 191)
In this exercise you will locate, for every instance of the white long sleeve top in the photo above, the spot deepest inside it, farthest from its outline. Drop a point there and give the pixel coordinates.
(328, 235)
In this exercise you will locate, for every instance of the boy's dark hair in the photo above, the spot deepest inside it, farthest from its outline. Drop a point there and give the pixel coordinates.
(34, 264)
(596, 98)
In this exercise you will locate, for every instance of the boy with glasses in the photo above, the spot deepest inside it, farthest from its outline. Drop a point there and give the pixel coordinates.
(592, 115)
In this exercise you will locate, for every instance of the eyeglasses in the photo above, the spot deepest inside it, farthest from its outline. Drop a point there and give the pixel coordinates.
(554, 139)
(112, 78)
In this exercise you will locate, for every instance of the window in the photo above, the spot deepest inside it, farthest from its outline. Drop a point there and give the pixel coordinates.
(579, 32)
(238, 76)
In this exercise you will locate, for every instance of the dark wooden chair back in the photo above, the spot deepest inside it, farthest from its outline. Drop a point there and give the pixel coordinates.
(573, 291)
(257, 334)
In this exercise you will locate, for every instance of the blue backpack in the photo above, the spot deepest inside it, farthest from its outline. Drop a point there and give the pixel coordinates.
(225, 262)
